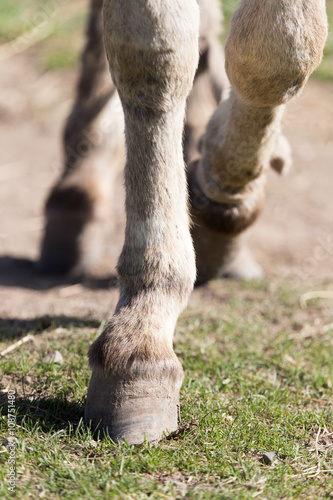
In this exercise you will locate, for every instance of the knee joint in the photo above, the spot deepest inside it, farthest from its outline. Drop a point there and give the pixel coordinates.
(271, 51)
(152, 50)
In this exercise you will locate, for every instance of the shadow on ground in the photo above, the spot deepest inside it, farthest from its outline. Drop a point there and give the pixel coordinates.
(12, 327)
(49, 414)
(22, 273)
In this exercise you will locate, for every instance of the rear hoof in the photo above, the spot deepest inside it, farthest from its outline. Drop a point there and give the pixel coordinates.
(71, 245)
(217, 231)
(220, 256)
(135, 410)
(243, 267)
(281, 160)
(73, 236)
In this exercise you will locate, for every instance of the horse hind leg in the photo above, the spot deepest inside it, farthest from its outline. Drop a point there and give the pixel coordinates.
(210, 82)
(269, 57)
(79, 204)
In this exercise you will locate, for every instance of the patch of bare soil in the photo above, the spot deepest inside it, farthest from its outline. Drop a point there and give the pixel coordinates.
(294, 237)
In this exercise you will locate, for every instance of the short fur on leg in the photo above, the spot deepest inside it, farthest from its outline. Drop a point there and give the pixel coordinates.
(149, 46)
(272, 48)
(79, 205)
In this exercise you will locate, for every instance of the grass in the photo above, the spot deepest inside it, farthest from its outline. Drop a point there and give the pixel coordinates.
(259, 374)
(325, 70)
(51, 31)
(259, 378)
(63, 23)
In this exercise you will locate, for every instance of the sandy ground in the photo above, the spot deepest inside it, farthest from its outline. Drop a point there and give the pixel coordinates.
(294, 237)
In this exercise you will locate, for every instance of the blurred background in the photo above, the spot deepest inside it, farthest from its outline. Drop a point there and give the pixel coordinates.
(40, 46)
(53, 31)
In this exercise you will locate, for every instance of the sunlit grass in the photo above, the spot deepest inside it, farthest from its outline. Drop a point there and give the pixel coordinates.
(258, 378)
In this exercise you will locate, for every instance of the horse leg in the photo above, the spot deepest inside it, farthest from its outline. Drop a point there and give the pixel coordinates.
(152, 49)
(79, 204)
(272, 48)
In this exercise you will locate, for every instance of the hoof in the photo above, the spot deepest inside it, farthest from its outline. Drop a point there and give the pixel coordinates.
(70, 245)
(217, 231)
(243, 267)
(59, 250)
(220, 256)
(281, 160)
(135, 410)
(213, 253)
(73, 235)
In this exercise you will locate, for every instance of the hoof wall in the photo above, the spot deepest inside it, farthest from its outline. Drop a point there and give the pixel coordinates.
(135, 410)
(243, 267)
(55, 264)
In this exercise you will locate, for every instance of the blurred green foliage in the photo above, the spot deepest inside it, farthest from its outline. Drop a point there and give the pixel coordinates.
(63, 22)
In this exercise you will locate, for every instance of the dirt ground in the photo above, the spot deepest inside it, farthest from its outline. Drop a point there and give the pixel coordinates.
(294, 237)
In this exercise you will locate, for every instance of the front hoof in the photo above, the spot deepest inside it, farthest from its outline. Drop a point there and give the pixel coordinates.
(135, 410)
